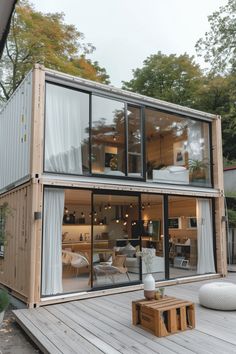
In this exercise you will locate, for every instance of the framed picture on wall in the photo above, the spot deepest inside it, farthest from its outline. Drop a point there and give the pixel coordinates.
(192, 222)
(174, 223)
(179, 157)
(156, 229)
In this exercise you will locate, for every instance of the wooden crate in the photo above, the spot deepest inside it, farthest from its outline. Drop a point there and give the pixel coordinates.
(163, 317)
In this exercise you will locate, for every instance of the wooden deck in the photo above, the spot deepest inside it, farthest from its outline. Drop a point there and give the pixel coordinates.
(103, 325)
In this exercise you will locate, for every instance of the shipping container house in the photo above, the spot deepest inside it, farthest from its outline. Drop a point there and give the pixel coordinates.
(90, 176)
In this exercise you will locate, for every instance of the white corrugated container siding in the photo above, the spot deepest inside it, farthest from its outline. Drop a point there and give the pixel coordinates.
(15, 135)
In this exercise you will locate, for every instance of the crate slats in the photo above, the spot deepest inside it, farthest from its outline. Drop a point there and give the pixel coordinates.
(165, 316)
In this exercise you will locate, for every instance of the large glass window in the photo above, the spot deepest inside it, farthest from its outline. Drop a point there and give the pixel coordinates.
(134, 142)
(190, 236)
(177, 149)
(108, 137)
(66, 130)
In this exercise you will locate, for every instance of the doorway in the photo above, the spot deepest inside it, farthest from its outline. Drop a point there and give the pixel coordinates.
(114, 242)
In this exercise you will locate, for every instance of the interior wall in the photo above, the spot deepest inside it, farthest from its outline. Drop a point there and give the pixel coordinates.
(160, 148)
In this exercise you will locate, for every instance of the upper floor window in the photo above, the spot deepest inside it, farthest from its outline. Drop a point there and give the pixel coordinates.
(66, 130)
(108, 137)
(177, 149)
(135, 158)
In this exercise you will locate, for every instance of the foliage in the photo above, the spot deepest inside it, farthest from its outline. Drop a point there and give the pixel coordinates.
(4, 300)
(229, 163)
(172, 78)
(218, 47)
(232, 218)
(4, 212)
(196, 165)
(44, 38)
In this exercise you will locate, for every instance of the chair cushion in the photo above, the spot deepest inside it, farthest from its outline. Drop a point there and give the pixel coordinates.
(128, 250)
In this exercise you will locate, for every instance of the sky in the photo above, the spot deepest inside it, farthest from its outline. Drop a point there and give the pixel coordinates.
(126, 32)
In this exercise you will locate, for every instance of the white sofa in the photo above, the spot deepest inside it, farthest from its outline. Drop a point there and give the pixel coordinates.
(133, 265)
(175, 174)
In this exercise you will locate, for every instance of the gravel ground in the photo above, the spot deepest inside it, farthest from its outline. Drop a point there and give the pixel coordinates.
(12, 338)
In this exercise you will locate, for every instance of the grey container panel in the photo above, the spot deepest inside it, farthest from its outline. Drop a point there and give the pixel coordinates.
(15, 135)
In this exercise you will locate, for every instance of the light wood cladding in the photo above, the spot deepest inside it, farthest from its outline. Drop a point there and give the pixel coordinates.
(14, 267)
(220, 237)
(217, 155)
(38, 106)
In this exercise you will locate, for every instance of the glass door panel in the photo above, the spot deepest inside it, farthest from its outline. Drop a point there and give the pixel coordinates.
(182, 226)
(152, 236)
(114, 243)
(76, 241)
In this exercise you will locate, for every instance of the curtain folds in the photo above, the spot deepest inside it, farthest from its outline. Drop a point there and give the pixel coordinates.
(63, 131)
(205, 262)
(52, 241)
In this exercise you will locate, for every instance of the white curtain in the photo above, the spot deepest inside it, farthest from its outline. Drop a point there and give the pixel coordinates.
(52, 241)
(63, 130)
(205, 262)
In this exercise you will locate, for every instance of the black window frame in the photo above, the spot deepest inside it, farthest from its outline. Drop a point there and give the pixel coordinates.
(142, 107)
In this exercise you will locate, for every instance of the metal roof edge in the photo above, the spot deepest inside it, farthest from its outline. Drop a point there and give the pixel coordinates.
(129, 94)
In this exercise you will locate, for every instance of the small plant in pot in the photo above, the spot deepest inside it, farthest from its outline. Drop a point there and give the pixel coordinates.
(4, 302)
(197, 169)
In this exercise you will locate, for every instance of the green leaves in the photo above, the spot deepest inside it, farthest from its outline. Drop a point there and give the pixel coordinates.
(46, 39)
(172, 78)
(218, 47)
(4, 300)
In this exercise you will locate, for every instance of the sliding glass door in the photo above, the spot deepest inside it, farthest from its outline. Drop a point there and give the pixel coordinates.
(115, 240)
(93, 240)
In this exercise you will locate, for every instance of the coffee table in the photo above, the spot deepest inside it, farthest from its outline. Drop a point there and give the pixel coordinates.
(165, 316)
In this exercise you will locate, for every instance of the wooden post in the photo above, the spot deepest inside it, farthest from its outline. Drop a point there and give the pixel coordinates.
(36, 168)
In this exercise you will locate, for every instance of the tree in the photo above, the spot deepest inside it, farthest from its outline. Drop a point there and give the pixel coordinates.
(217, 96)
(44, 38)
(218, 47)
(172, 78)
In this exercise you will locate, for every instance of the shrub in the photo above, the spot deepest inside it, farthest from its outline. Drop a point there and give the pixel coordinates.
(4, 300)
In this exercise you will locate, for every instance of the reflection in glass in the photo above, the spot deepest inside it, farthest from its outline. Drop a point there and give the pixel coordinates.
(134, 142)
(114, 244)
(66, 131)
(108, 136)
(177, 149)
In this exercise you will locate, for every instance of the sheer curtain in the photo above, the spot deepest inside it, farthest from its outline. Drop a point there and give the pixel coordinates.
(52, 241)
(205, 262)
(63, 130)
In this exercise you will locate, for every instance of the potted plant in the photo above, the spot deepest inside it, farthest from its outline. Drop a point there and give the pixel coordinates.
(197, 169)
(4, 302)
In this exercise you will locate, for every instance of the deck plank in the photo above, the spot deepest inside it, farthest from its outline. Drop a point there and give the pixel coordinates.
(36, 334)
(104, 325)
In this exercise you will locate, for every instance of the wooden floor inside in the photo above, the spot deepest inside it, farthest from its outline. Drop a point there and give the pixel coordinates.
(103, 325)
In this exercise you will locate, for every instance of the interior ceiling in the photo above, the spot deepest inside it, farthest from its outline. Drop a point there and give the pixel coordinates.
(6, 10)
(84, 197)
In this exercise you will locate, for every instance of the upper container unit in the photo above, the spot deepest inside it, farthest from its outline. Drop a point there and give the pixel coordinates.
(15, 136)
(59, 125)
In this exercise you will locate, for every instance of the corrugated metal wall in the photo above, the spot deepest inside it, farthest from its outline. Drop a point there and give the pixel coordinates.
(15, 135)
